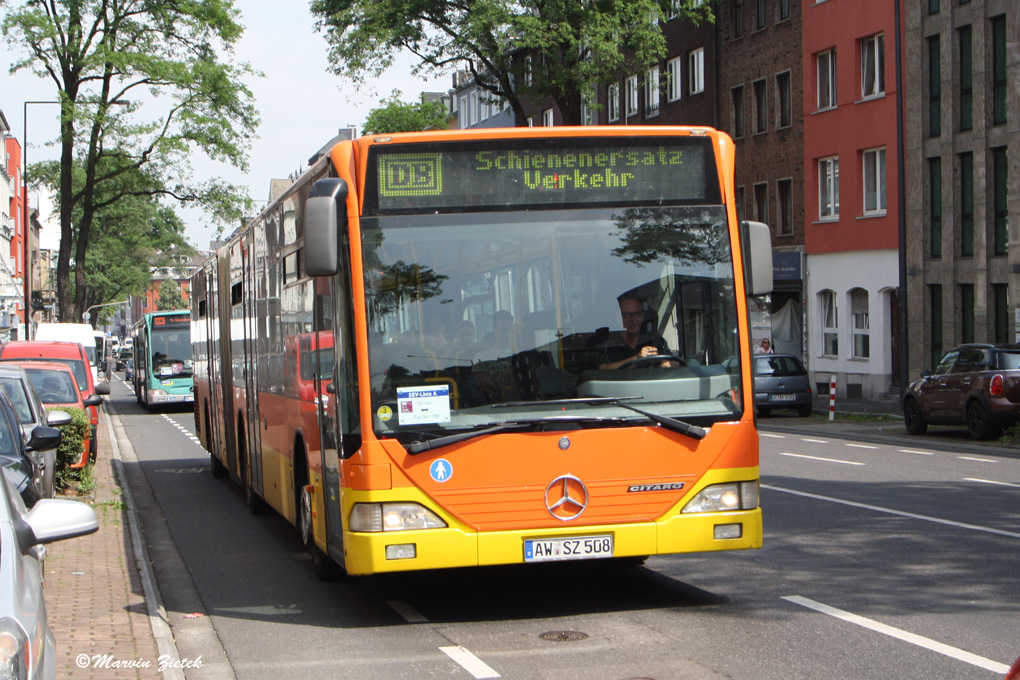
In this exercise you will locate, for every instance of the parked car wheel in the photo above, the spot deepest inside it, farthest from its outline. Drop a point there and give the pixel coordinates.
(804, 411)
(979, 424)
(913, 419)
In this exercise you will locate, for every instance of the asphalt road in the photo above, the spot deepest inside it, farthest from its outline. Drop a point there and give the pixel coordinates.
(881, 560)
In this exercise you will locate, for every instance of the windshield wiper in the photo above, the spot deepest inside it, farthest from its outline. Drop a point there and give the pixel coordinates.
(673, 424)
(415, 448)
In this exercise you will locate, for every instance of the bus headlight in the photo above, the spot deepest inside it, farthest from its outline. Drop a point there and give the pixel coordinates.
(724, 497)
(393, 517)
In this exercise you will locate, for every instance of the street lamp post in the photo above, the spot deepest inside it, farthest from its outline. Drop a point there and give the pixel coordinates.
(85, 314)
(26, 267)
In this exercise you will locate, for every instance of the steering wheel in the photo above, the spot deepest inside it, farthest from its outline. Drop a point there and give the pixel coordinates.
(645, 362)
(50, 397)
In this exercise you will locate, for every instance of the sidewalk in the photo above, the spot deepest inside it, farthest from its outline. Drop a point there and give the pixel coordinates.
(94, 592)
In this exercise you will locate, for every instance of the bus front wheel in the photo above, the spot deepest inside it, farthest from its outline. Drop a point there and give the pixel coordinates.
(322, 564)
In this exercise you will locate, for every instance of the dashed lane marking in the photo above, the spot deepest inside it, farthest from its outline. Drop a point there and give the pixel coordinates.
(471, 663)
(185, 431)
(991, 481)
(978, 460)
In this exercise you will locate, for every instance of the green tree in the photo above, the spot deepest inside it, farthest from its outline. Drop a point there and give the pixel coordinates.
(169, 296)
(172, 58)
(395, 115)
(574, 45)
(130, 234)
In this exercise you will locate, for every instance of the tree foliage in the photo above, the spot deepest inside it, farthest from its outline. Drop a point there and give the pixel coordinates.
(395, 115)
(130, 235)
(170, 297)
(142, 84)
(573, 45)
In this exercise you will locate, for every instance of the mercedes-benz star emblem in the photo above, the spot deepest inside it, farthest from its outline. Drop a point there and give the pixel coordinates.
(566, 498)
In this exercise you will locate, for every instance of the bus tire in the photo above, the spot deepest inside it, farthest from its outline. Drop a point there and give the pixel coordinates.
(323, 566)
(219, 470)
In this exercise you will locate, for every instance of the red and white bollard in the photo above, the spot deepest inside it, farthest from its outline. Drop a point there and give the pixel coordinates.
(832, 397)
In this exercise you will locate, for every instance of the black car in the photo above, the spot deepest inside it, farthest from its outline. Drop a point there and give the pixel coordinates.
(780, 381)
(22, 469)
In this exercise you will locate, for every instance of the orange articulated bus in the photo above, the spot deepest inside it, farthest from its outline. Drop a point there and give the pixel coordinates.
(483, 347)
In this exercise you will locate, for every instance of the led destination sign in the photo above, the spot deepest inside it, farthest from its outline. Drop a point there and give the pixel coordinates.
(521, 173)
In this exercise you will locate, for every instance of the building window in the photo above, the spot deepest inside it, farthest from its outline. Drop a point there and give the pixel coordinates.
(830, 323)
(613, 101)
(738, 111)
(738, 19)
(1000, 192)
(474, 107)
(933, 6)
(741, 202)
(528, 76)
(966, 80)
(464, 113)
(587, 114)
(652, 92)
(935, 211)
(935, 323)
(674, 71)
(827, 79)
(934, 87)
(783, 10)
(874, 181)
(859, 315)
(967, 312)
(632, 95)
(828, 188)
(999, 71)
(547, 118)
(696, 75)
(784, 100)
(761, 202)
(966, 204)
(784, 192)
(761, 106)
(873, 66)
(1003, 322)
(759, 14)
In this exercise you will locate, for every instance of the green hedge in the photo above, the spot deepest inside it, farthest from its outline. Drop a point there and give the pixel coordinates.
(72, 439)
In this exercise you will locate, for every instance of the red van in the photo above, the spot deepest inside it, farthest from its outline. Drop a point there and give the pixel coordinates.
(71, 353)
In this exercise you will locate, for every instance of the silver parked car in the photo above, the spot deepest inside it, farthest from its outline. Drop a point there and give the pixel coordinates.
(780, 381)
(32, 413)
(27, 648)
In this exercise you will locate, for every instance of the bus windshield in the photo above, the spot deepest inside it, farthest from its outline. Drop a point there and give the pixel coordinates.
(170, 350)
(477, 319)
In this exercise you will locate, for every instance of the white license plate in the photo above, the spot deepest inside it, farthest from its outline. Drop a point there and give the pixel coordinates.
(782, 397)
(574, 548)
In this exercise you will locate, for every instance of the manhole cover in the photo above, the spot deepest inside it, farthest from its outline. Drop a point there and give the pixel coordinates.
(563, 636)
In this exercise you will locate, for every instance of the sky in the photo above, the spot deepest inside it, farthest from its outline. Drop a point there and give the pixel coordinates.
(301, 105)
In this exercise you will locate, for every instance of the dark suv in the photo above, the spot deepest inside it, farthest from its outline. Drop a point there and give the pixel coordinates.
(973, 385)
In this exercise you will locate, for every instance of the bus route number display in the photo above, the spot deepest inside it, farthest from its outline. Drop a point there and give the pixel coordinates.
(171, 321)
(558, 171)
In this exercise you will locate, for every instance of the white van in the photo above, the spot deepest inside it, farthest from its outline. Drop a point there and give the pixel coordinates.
(81, 333)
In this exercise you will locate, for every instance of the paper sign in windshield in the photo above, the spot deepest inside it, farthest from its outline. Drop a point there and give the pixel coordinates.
(419, 405)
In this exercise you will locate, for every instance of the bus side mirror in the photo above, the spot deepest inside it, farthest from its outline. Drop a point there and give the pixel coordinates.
(324, 210)
(757, 244)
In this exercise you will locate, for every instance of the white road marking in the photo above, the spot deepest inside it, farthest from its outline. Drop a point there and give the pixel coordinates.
(979, 460)
(815, 441)
(861, 446)
(889, 511)
(472, 664)
(410, 614)
(184, 430)
(912, 638)
(991, 481)
(774, 436)
(920, 453)
(827, 460)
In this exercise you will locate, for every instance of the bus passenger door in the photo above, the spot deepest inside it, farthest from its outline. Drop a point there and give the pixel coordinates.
(252, 262)
(325, 379)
